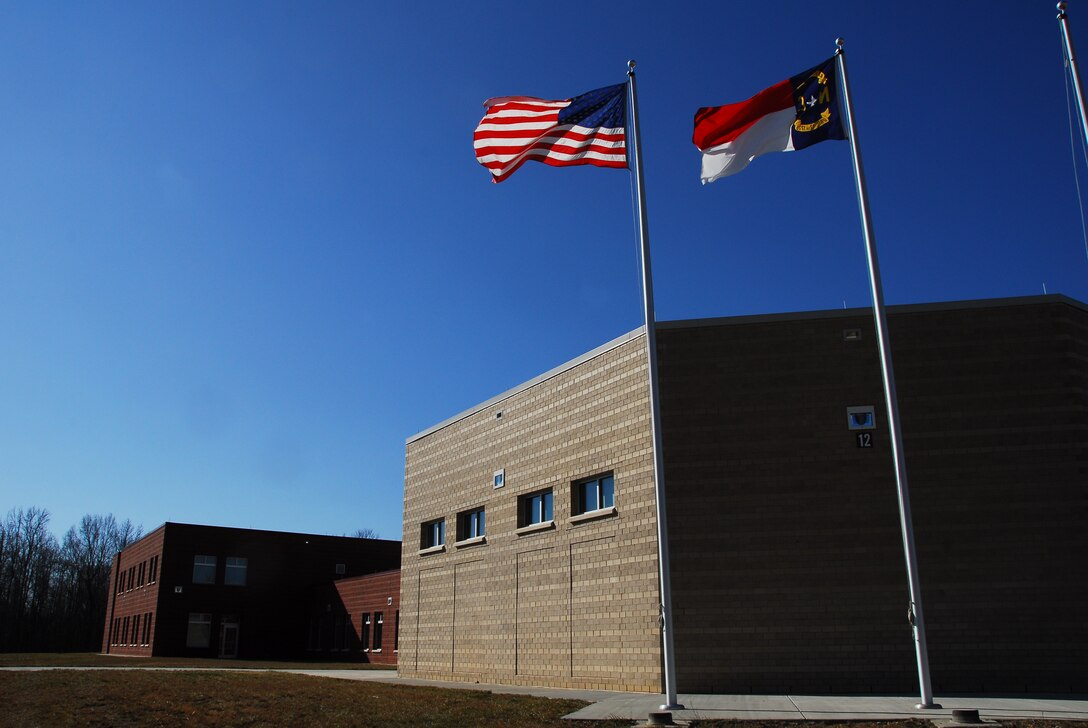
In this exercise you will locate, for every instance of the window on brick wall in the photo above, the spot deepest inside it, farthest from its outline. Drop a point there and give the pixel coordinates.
(203, 569)
(131, 578)
(396, 631)
(364, 636)
(200, 630)
(143, 573)
(470, 524)
(124, 632)
(338, 632)
(432, 534)
(146, 641)
(378, 622)
(235, 575)
(593, 494)
(135, 630)
(153, 570)
(535, 508)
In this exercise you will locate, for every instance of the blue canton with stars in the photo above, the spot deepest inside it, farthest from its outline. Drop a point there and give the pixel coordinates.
(604, 107)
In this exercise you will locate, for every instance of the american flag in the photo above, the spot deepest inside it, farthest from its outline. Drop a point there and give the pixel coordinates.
(586, 129)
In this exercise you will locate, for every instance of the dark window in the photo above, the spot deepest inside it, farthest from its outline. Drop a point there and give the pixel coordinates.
(147, 630)
(203, 569)
(124, 632)
(364, 636)
(470, 524)
(535, 508)
(593, 495)
(432, 533)
(153, 570)
(396, 631)
(200, 630)
(235, 575)
(135, 630)
(378, 631)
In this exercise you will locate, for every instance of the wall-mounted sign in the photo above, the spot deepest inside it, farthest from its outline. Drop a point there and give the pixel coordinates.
(861, 418)
(864, 439)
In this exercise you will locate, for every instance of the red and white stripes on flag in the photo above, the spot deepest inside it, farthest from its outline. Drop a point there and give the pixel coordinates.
(586, 129)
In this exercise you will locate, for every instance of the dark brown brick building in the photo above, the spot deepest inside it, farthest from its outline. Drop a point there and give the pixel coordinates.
(787, 563)
(207, 591)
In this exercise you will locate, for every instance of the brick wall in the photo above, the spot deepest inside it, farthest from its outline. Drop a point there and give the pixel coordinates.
(787, 562)
(133, 597)
(570, 605)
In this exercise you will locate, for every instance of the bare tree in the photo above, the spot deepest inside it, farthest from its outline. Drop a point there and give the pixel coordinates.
(365, 533)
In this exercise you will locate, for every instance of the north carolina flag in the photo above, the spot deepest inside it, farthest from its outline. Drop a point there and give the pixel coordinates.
(586, 129)
(796, 113)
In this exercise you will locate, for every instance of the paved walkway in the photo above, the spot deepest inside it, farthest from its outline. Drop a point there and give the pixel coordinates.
(637, 706)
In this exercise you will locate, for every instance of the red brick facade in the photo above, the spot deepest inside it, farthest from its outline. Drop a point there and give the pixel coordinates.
(206, 591)
(358, 619)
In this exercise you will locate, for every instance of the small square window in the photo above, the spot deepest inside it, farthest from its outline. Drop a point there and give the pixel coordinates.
(432, 534)
(593, 495)
(499, 479)
(535, 508)
(470, 524)
(235, 575)
(203, 569)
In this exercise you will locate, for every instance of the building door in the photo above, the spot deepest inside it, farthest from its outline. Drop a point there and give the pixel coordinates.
(228, 637)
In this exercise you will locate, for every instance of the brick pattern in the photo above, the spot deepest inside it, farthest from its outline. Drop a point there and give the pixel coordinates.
(574, 605)
(787, 562)
(347, 603)
(132, 599)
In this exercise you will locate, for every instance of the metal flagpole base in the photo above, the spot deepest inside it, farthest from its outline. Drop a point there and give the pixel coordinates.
(928, 706)
(673, 706)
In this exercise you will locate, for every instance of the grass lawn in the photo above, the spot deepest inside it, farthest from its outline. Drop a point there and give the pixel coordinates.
(94, 659)
(55, 698)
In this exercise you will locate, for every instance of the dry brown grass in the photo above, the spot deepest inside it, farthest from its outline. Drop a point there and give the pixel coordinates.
(56, 698)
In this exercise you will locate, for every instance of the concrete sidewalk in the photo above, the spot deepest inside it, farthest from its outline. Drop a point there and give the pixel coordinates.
(637, 706)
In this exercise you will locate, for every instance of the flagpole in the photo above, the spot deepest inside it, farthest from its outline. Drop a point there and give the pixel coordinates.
(671, 702)
(1063, 20)
(884, 344)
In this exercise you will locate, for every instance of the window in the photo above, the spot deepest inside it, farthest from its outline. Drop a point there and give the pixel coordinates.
(146, 642)
(200, 630)
(396, 631)
(124, 632)
(378, 631)
(364, 637)
(338, 632)
(432, 534)
(135, 630)
(153, 570)
(203, 569)
(131, 578)
(470, 524)
(593, 495)
(235, 575)
(143, 573)
(535, 508)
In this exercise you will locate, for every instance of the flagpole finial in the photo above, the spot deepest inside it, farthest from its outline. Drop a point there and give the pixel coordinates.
(630, 68)
(839, 43)
(1061, 8)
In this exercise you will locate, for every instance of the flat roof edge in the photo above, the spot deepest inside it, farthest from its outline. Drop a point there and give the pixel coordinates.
(850, 312)
(566, 366)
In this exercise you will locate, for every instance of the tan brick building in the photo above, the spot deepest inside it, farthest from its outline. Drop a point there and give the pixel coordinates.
(529, 552)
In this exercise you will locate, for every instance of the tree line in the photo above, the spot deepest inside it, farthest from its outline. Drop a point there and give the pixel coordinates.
(53, 593)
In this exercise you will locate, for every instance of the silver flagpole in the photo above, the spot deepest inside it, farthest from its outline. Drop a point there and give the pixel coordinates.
(1074, 69)
(671, 703)
(884, 343)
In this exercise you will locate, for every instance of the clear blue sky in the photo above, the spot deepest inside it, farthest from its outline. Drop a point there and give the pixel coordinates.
(246, 250)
